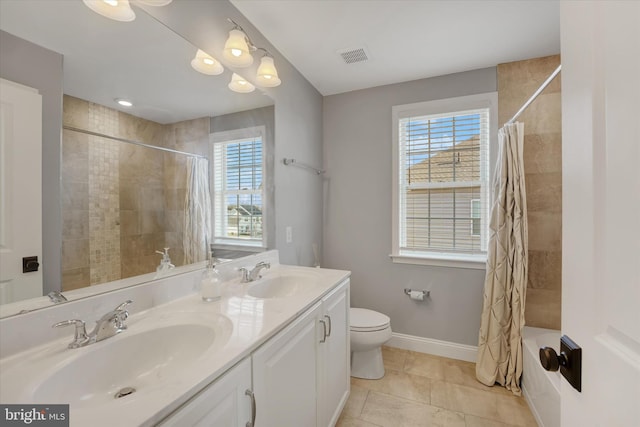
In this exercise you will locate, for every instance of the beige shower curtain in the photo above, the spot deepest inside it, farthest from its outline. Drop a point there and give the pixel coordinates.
(499, 357)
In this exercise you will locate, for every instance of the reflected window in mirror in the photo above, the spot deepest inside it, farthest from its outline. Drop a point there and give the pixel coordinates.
(238, 189)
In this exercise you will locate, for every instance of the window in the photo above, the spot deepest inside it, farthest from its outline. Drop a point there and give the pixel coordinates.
(238, 208)
(441, 180)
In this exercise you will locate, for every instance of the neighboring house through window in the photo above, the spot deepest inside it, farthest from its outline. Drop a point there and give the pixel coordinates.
(238, 172)
(441, 175)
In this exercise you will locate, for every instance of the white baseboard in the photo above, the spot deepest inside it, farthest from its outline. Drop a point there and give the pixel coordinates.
(448, 349)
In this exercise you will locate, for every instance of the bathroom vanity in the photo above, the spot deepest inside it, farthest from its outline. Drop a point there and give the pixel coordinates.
(272, 352)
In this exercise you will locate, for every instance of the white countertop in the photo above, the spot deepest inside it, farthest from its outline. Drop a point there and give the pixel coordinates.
(252, 322)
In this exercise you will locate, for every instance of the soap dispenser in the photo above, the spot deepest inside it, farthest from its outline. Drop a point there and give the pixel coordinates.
(211, 283)
(165, 263)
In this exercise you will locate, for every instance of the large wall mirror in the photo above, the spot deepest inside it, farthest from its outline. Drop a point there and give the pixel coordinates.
(123, 200)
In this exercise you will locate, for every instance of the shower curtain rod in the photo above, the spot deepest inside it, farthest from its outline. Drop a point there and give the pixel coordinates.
(129, 141)
(542, 87)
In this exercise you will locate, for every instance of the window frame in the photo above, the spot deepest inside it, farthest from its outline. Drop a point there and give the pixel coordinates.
(226, 137)
(441, 106)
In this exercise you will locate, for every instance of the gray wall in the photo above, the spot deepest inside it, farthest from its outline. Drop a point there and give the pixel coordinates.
(357, 212)
(298, 122)
(31, 65)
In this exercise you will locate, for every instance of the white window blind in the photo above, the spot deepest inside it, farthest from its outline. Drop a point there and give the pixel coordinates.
(443, 177)
(238, 191)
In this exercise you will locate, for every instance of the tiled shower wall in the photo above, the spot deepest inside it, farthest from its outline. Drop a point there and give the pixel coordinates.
(517, 81)
(121, 202)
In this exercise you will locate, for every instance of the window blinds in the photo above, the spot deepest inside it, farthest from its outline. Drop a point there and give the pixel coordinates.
(444, 182)
(237, 188)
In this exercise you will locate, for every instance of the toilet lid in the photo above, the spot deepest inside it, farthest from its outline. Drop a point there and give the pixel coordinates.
(363, 320)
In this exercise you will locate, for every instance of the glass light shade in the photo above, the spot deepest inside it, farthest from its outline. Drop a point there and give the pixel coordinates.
(236, 50)
(206, 64)
(240, 85)
(267, 73)
(118, 10)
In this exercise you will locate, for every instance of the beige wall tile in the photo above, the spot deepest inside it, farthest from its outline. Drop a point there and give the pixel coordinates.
(75, 224)
(543, 153)
(545, 231)
(544, 192)
(543, 308)
(75, 112)
(75, 195)
(545, 270)
(75, 278)
(75, 254)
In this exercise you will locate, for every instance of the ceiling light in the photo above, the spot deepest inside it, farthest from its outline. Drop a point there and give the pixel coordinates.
(206, 64)
(267, 73)
(118, 10)
(240, 85)
(236, 49)
(124, 102)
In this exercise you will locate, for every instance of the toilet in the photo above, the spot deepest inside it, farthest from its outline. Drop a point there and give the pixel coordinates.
(368, 330)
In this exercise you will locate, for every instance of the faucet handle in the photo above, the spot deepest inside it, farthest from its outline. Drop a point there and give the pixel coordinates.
(123, 305)
(80, 334)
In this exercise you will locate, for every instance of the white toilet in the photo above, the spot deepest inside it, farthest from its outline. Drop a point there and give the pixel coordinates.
(369, 330)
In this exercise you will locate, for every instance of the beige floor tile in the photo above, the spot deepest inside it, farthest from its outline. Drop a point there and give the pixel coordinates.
(390, 411)
(353, 422)
(464, 373)
(514, 410)
(393, 358)
(399, 384)
(473, 421)
(356, 400)
(464, 399)
(425, 365)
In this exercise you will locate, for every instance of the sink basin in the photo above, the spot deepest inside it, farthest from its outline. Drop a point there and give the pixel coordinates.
(281, 286)
(148, 356)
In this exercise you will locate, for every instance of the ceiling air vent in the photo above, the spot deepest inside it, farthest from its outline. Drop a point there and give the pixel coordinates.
(351, 56)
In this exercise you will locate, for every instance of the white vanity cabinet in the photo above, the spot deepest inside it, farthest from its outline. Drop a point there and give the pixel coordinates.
(335, 356)
(301, 376)
(222, 403)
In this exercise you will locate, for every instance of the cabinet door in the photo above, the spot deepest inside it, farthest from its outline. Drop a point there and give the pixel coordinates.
(284, 375)
(223, 403)
(335, 355)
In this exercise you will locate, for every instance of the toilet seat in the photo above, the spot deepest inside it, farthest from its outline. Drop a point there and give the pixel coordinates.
(363, 320)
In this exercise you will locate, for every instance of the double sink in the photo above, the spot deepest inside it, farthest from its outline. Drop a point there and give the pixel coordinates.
(167, 346)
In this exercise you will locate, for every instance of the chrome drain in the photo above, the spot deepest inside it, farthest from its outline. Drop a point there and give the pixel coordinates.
(125, 392)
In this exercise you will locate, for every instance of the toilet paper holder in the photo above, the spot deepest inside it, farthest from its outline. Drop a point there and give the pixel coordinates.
(425, 293)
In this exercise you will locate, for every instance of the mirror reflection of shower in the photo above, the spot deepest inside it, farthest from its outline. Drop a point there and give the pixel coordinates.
(122, 202)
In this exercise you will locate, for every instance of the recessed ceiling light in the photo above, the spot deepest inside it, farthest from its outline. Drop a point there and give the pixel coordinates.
(124, 102)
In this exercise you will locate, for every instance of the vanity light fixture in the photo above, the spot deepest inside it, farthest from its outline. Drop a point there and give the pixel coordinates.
(118, 10)
(237, 52)
(240, 85)
(237, 49)
(206, 64)
(267, 73)
(124, 102)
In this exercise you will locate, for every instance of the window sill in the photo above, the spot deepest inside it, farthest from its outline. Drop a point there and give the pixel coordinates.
(475, 262)
(240, 246)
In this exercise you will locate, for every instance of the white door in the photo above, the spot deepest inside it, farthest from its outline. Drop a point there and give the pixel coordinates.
(20, 190)
(601, 209)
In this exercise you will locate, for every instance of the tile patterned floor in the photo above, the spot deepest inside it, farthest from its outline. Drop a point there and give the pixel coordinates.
(424, 390)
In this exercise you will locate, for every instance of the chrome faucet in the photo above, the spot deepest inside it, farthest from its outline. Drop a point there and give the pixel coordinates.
(57, 297)
(107, 326)
(254, 274)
